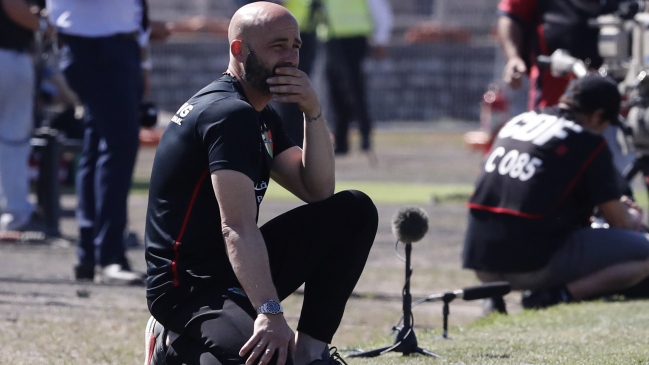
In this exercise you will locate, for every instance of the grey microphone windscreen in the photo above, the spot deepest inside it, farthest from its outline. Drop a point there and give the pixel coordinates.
(410, 224)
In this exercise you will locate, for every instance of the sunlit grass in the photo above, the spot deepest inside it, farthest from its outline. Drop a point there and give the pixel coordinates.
(391, 192)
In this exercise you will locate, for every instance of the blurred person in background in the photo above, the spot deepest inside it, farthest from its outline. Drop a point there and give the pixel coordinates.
(529, 28)
(349, 28)
(529, 217)
(17, 82)
(102, 60)
(304, 12)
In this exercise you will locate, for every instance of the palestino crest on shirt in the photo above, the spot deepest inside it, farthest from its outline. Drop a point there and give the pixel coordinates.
(267, 137)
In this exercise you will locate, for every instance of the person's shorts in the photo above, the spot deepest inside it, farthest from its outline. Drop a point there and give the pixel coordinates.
(585, 251)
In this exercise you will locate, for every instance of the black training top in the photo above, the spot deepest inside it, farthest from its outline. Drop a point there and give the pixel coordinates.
(216, 129)
(541, 180)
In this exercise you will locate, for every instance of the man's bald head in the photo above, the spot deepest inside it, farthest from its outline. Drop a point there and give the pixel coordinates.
(253, 17)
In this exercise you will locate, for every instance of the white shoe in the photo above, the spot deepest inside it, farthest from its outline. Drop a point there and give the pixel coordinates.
(118, 275)
(14, 222)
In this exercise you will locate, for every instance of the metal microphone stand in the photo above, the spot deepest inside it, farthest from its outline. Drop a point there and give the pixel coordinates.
(405, 341)
(446, 298)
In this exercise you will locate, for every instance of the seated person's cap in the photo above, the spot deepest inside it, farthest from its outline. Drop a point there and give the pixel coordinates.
(592, 92)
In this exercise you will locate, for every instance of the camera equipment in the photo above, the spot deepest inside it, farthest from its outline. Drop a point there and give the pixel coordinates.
(623, 44)
(562, 64)
(409, 225)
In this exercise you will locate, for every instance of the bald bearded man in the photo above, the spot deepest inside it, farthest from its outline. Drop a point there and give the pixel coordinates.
(216, 279)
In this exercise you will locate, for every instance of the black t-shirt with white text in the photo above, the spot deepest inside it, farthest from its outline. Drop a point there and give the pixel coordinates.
(541, 180)
(216, 129)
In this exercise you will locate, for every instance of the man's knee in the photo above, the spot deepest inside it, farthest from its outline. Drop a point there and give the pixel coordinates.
(363, 207)
(636, 248)
(361, 203)
(359, 214)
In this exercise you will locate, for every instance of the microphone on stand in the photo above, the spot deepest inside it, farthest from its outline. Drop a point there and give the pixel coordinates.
(409, 225)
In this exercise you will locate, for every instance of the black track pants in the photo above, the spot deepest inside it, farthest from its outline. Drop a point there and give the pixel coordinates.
(322, 245)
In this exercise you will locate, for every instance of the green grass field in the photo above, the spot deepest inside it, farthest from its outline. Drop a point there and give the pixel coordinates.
(407, 193)
(49, 323)
(594, 333)
(392, 192)
(587, 333)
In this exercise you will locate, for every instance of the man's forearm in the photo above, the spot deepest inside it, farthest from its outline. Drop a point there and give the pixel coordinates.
(318, 163)
(249, 258)
(18, 11)
(617, 216)
(511, 37)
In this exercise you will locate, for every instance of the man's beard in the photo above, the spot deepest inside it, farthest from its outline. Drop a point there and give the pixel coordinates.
(256, 73)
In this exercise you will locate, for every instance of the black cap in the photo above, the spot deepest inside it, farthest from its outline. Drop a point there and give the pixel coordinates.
(592, 92)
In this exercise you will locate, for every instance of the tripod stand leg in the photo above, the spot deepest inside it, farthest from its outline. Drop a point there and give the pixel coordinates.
(373, 353)
(419, 350)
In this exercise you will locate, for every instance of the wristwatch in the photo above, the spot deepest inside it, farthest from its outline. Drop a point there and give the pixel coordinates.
(270, 307)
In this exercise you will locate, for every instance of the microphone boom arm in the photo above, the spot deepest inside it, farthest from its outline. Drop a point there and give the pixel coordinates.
(499, 288)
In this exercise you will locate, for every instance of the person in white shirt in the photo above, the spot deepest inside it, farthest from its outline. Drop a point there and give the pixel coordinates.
(101, 60)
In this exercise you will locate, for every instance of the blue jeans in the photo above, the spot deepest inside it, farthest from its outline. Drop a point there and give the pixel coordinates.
(105, 73)
(16, 124)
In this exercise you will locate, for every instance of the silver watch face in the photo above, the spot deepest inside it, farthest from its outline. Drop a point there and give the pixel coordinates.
(270, 307)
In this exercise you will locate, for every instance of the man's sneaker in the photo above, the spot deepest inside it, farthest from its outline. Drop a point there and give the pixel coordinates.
(543, 298)
(84, 272)
(154, 343)
(117, 274)
(330, 356)
(14, 222)
(494, 305)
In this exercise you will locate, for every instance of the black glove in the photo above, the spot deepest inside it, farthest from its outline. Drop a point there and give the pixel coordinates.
(628, 9)
(148, 114)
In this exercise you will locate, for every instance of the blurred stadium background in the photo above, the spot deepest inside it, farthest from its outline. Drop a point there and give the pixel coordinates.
(441, 59)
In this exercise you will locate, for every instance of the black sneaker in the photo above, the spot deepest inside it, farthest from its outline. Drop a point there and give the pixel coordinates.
(543, 298)
(84, 272)
(366, 145)
(330, 356)
(494, 305)
(154, 343)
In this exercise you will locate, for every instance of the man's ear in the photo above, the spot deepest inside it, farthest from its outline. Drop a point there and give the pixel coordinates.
(237, 50)
(598, 115)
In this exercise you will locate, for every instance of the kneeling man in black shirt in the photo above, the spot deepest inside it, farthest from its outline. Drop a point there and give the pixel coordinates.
(529, 218)
(216, 279)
